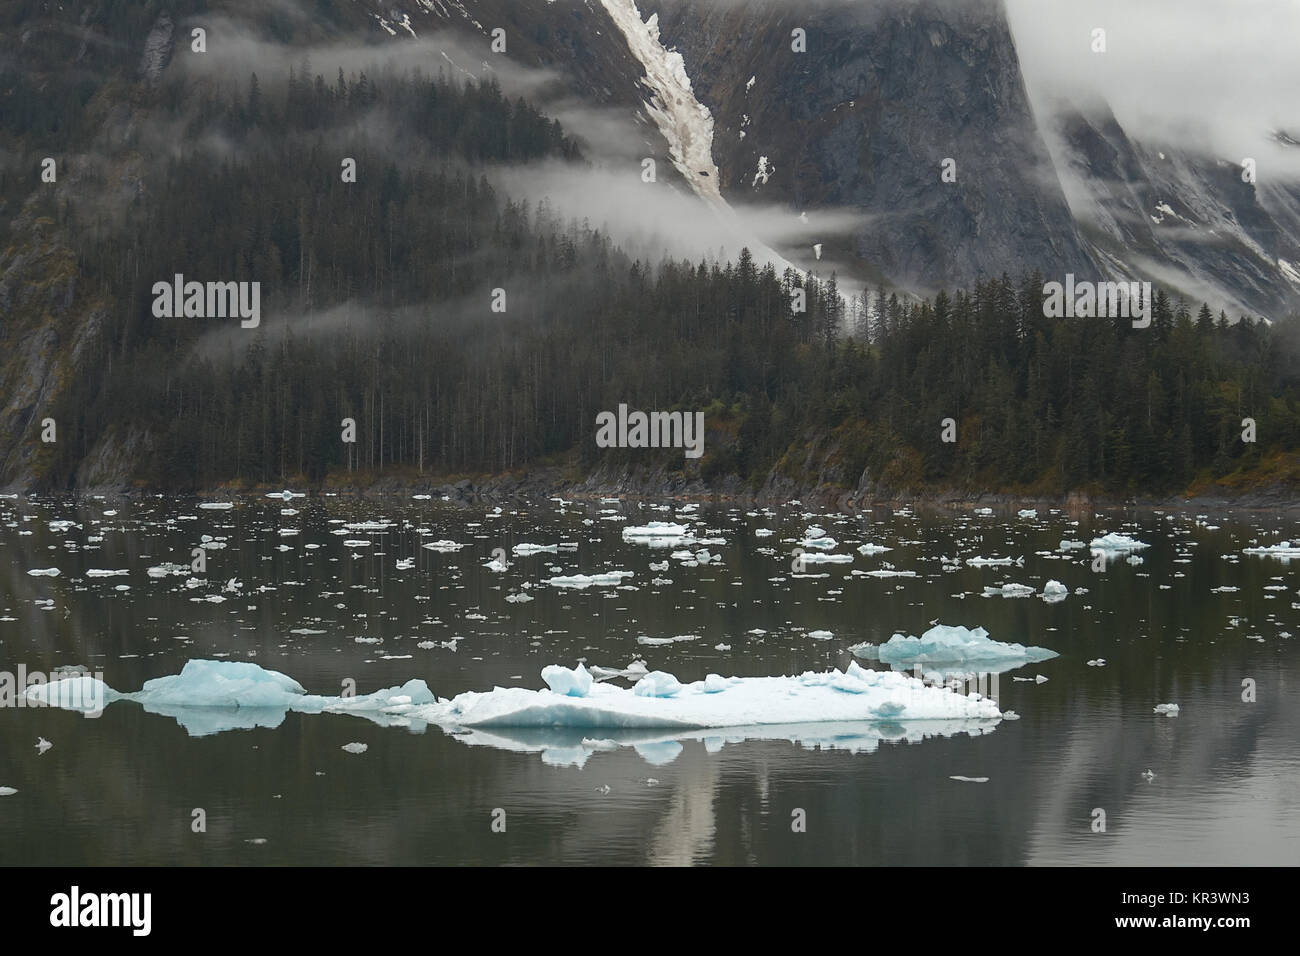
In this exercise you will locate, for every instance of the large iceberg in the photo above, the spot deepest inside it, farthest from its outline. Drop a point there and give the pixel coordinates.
(659, 700)
(957, 645)
(211, 696)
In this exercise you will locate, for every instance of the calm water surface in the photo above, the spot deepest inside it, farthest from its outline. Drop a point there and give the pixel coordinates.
(301, 595)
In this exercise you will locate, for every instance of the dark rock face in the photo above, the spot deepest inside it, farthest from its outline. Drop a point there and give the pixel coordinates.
(1158, 210)
(866, 118)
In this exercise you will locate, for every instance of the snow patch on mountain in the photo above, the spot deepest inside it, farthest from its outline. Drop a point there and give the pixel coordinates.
(684, 121)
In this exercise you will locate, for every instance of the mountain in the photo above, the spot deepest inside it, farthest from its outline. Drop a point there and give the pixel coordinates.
(848, 146)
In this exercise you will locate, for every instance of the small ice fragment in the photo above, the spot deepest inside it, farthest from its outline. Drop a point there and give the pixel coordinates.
(1040, 679)
(1010, 715)
(356, 748)
(1169, 710)
(1149, 775)
(1099, 662)
(7, 791)
(42, 745)
(566, 682)
(602, 744)
(604, 789)
(970, 779)
(820, 635)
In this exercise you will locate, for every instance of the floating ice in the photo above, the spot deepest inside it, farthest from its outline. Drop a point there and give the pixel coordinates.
(208, 697)
(820, 635)
(7, 791)
(819, 558)
(587, 580)
(572, 683)
(655, 641)
(1169, 710)
(821, 542)
(870, 549)
(524, 550)
(659, 684)
(355, 748)
(852, 695)
(659, 534)
(443, 546)
(989, 562)
(957, 645)
(970, 779)
(42, 745)
(1117, 543)
(1054, 591)
(44, 572)
(1285, 550)
(217, 505)
(1009, 590)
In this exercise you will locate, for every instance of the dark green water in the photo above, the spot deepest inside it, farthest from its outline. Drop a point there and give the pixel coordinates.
(123, 788)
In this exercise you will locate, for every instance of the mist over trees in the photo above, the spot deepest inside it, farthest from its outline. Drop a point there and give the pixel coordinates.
(378, 294)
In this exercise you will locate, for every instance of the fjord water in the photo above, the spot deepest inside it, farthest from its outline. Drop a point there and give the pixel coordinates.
(1189, 625)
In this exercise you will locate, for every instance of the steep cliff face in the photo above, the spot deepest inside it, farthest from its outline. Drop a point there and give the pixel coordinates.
(866, 118)
(1167, 213)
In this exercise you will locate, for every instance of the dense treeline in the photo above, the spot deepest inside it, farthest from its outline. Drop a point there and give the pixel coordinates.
(378, 305)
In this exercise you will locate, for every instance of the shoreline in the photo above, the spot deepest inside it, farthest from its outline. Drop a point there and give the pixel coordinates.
(542, 484)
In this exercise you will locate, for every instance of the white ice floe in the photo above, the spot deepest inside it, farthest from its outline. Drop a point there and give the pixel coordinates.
(217, 505)
(44, 572)
(1009, 590)
(816, 557)
(209, 697)
(581, 581)
(356, 748)
(1054, 591)
(957, 645)
(659, 641)
(1169, 710)
(659, 534)
(659, 700)
(523, 550)
(445, 547)
(1116, 543)
(212, 696)
(990, 562)
(7, 791)
(1285, 550)
(970, 779)
(869, 549)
